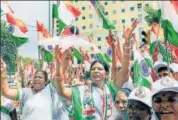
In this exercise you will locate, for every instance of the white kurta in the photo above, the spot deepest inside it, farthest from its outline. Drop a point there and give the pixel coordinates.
(43, 105)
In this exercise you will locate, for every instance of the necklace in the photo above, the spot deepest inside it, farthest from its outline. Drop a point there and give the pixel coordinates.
(104, 101)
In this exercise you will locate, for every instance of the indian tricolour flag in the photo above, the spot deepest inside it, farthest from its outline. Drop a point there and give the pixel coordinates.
(63, 14)
(142, 69)
(45, 50)
(170, 20)
(16, 26)
(101, 18)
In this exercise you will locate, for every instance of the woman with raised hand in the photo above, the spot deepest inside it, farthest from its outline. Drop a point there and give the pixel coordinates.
(95, 99)
(41, 102)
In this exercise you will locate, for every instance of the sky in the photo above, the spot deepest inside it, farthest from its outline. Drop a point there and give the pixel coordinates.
(29, 12)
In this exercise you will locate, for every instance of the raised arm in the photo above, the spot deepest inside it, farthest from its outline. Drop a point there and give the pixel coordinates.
(111, 39)
(122, 75)
(5, 90)
(62, 62)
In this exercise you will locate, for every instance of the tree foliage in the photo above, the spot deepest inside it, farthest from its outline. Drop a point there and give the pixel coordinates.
(8, 50)
(5, 34)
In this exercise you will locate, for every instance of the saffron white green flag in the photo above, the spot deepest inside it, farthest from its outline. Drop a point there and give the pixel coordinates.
(142, 70)
(63, 14)
(102, 20)
(169, 23)
(44, 35)
(17, 28)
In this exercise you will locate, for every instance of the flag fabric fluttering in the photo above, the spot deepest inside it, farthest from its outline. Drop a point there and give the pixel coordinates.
(78, 55)
(45, 51)
(103, 57)
(63, 14)
(165, 52)
(17, 22)
(102, 20)
(156, 32)
(174, 53)
(142, 69)
(169, 22)
(16, 26)
(142, 66)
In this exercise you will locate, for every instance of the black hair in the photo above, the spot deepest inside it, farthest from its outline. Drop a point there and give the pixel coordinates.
(164, 68)
(28, 83)
(106, 66)
(126, 91)
(143, 104)
(132, 68)
(45, 75)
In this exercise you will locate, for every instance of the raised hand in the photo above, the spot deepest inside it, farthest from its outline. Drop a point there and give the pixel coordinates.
(63, 58)
(128, 31)
(58, 54)
(112, 37)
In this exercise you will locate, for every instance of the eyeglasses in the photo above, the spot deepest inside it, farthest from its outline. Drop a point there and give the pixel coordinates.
(163, 75)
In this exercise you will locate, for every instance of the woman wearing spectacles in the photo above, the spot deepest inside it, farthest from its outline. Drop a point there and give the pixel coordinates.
(165, 98)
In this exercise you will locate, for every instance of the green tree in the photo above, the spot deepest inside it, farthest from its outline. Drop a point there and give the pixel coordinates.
(8, 49)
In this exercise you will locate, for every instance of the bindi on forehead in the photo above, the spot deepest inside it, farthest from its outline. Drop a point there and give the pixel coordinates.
(166, 95)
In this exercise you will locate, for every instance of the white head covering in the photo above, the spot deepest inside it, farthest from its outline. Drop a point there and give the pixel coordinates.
(141, 94)
(160, 64)
(174, 67)
(164, 84)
